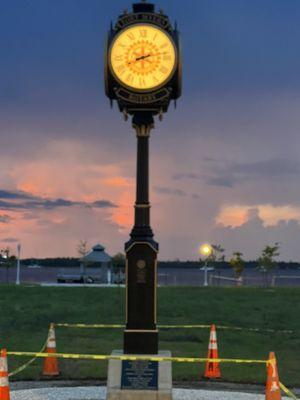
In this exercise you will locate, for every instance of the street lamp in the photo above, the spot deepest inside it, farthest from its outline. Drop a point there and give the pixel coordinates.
(205, 250)
(18, 264)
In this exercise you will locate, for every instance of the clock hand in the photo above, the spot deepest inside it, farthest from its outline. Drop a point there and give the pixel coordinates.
(151, 55)
(147, 56)
(139, 59)
(142, 57)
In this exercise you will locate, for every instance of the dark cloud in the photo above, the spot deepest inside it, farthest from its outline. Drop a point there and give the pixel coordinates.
(230, 174)
(224, 181)
(169, 191)
(5, 205)
(271, 167)
(10, 240)
(17, 200)
(103, 204)
(6, 194)
(5, 219)
(236, 173)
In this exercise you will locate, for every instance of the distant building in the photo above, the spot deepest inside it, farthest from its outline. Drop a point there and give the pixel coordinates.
(97, 264)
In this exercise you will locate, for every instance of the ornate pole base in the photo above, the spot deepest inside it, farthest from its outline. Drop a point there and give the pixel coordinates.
(141, 335)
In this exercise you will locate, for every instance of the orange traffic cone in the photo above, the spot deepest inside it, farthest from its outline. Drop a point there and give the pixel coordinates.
(272, 386)
(212, 369)
(4, 385)
(50, 363)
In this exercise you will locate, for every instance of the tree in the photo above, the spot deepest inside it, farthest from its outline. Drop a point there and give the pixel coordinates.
(8, 260)
(118, 262)
(218, 253)
(238, 265)
(266, 261)
(82, 249)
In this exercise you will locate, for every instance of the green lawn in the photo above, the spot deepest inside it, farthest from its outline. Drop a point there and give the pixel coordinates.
(25, 314)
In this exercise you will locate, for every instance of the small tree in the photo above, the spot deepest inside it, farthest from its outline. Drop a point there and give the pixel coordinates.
(218, 253)
(82, 249)
(118, 262)
(8, 260)
(266, 261)
(238, 265)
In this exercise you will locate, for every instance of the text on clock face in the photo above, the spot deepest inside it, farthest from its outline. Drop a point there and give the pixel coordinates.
(143, 57)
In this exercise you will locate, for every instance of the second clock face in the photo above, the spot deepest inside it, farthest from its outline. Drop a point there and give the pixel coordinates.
(143, 57)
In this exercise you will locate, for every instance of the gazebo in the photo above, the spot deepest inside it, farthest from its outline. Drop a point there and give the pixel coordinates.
(97, 264)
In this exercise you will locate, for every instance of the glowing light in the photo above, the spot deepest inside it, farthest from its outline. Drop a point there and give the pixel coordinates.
(205, 249)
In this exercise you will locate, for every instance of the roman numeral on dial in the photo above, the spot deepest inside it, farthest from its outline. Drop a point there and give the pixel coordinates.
(143, 33)
(130, 35)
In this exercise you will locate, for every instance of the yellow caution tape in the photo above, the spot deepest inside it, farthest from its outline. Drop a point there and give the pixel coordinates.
(184, 326)
(134, 358)
(104, 326)
(24, 366)
(237, 328)
(287, 391)
(119, 326)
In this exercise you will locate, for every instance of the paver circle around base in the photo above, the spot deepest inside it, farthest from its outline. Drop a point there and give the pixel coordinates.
(99, 393)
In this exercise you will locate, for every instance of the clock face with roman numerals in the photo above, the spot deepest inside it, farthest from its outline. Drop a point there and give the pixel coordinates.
(143, 57)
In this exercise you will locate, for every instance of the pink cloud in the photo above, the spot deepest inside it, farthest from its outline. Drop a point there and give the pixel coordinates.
(238, 215)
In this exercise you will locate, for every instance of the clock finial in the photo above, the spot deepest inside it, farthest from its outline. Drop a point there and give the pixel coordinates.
(143, 6)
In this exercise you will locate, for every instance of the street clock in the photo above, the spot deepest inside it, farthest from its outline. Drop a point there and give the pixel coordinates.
(143, 61)
(143, 75)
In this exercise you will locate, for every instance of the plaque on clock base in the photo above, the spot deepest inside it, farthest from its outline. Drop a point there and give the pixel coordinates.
(139, 380)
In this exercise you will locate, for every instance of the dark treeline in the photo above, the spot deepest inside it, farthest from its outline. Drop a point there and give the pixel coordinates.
(222, 264)
(52, 262)
(74, 262)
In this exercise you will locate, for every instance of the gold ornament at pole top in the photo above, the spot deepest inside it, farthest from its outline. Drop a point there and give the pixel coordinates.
(143, 130)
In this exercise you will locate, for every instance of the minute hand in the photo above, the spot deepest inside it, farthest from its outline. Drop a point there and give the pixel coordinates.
(150, 55)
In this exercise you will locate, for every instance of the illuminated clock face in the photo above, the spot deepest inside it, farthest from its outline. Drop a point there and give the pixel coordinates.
(143, 57)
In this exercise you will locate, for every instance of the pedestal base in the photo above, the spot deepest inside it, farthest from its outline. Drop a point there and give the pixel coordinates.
(139, 380)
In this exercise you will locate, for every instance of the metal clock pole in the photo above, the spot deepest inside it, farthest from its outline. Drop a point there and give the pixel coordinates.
(141, 335)
(143, 75)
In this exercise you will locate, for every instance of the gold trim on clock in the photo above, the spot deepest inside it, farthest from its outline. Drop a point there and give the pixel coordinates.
(143, 57)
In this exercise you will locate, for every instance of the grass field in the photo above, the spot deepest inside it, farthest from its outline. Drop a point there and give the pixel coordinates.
(25, 314)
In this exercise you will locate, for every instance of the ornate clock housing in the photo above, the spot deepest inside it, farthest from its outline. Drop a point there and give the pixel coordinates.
(143, 61)
(143, 57)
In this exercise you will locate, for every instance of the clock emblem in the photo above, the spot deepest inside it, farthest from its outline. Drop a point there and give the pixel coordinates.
(143, 57)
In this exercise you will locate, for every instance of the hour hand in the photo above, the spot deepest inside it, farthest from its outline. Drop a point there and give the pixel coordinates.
(139, 59)
(142, 57)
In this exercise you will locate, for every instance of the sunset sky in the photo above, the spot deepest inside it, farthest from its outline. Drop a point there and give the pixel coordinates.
(225, 166)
